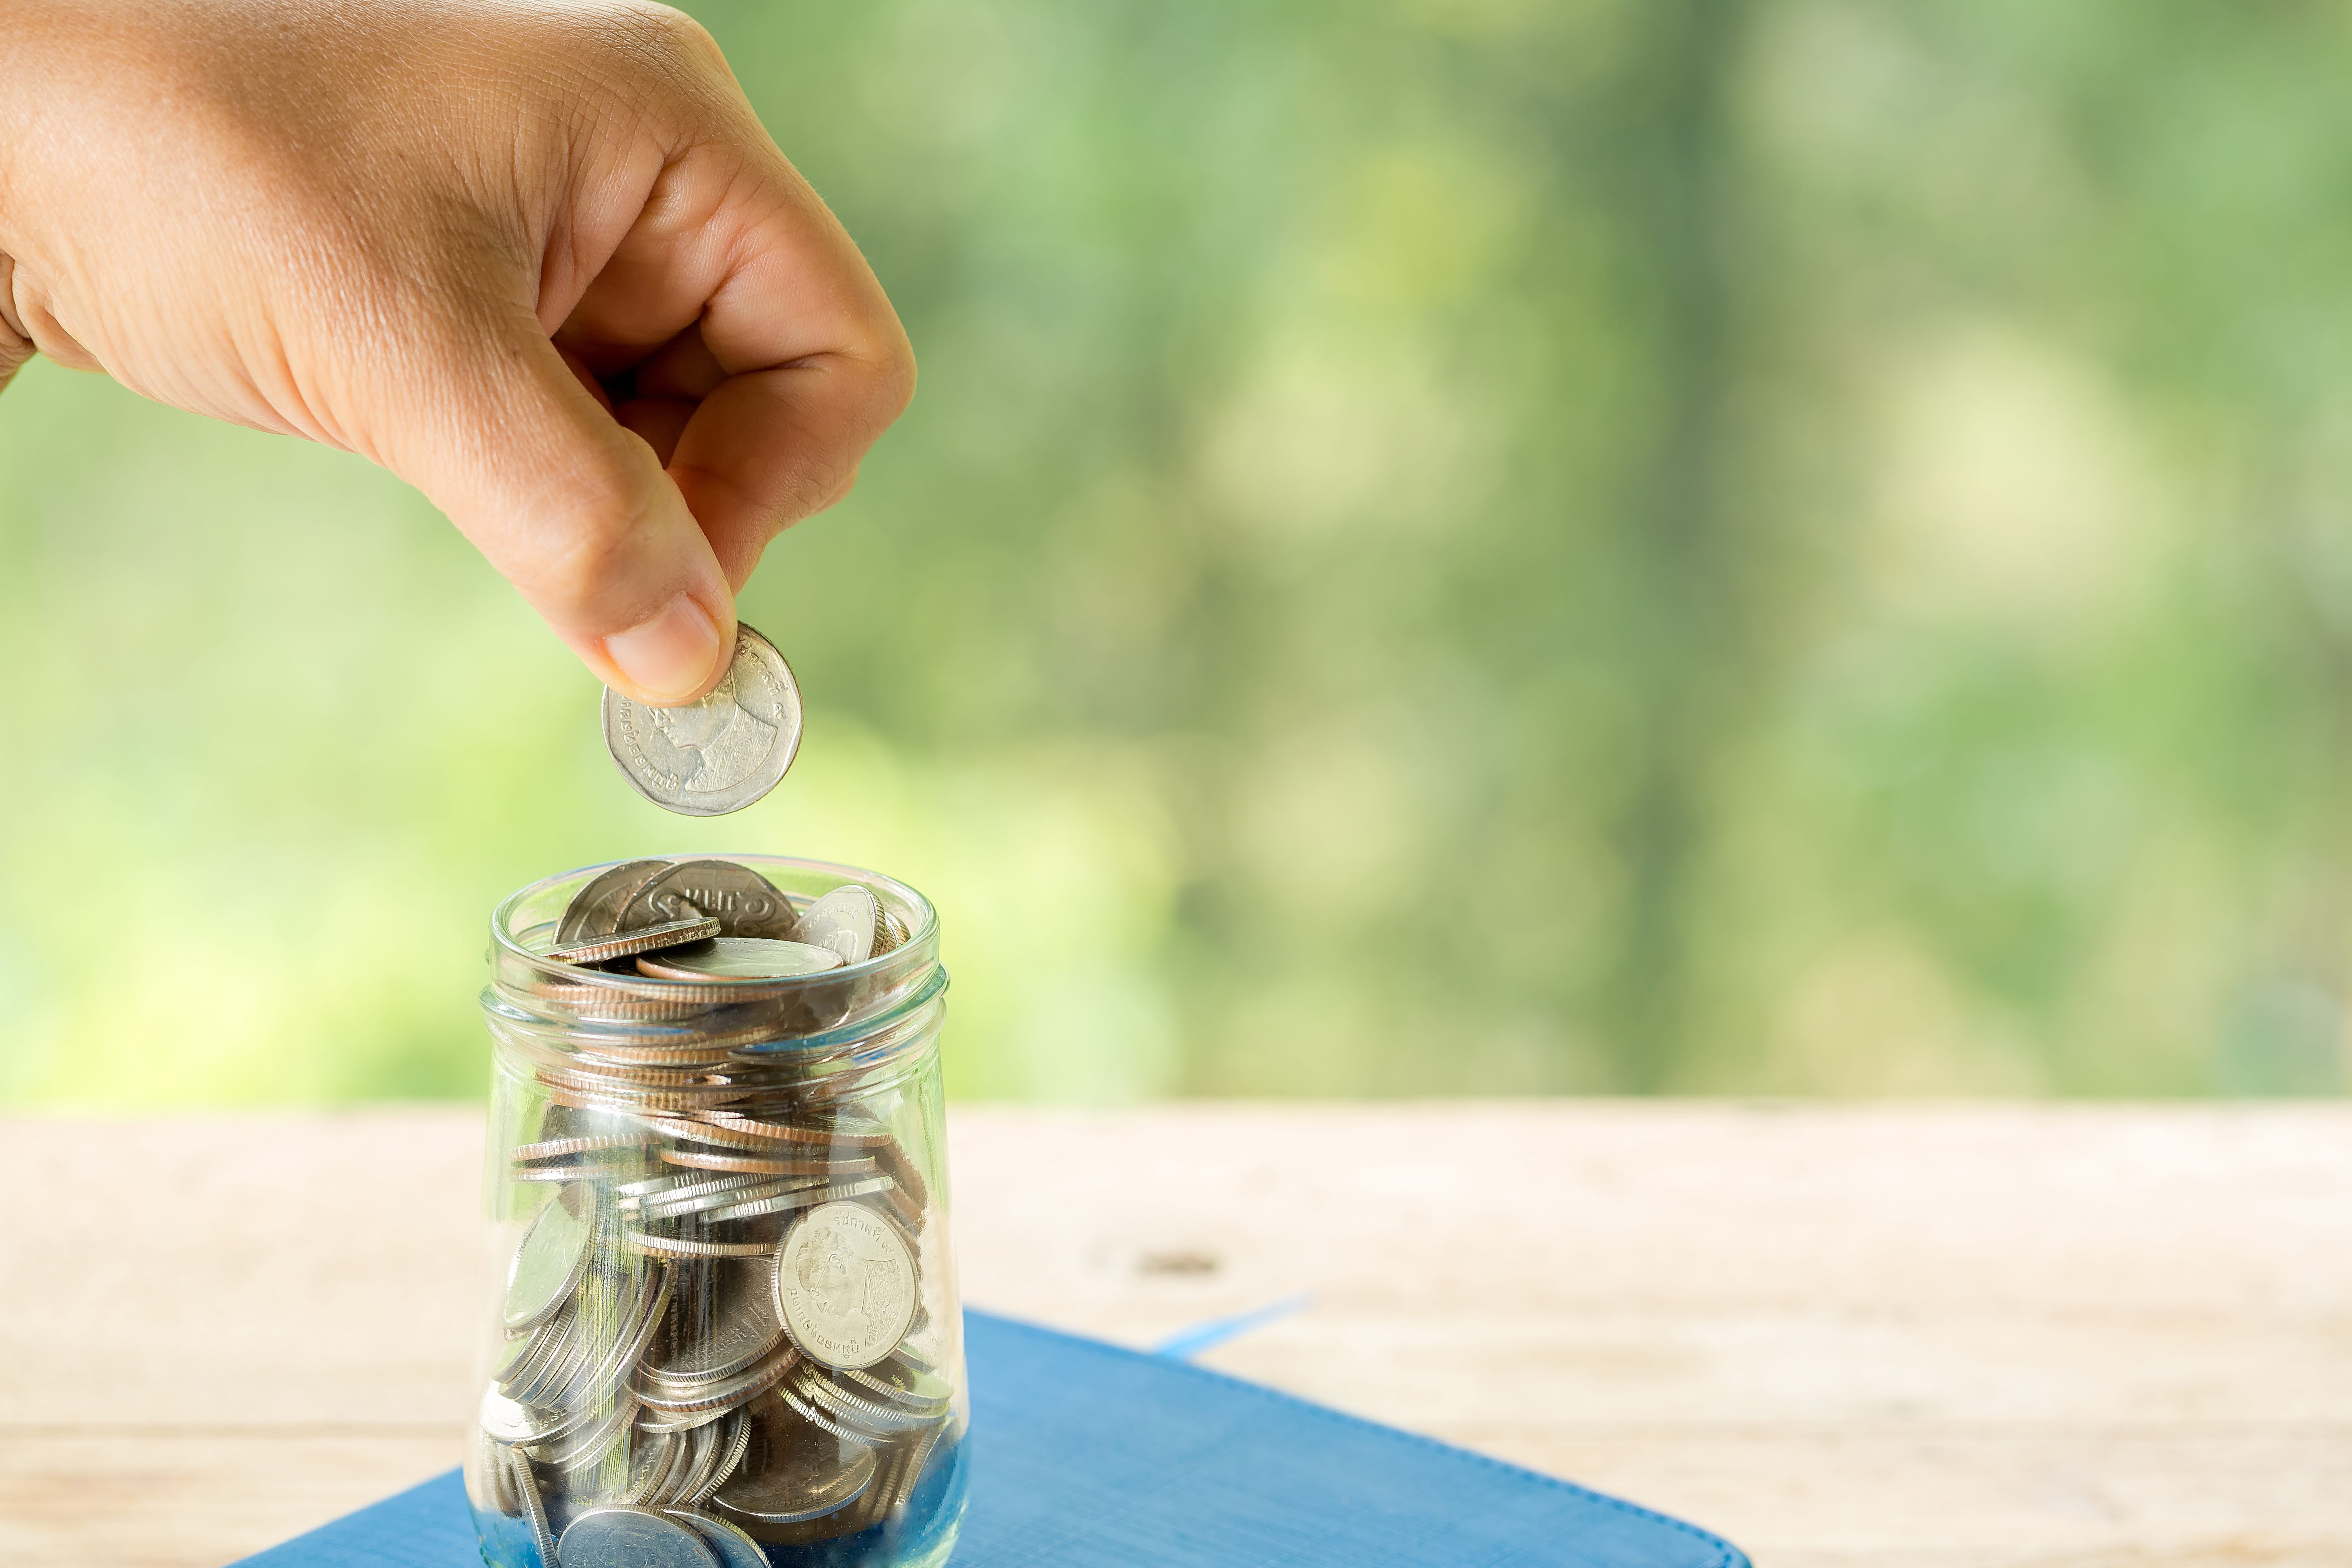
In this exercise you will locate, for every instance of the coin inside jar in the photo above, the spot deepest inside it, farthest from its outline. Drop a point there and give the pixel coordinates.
(739, 958)
(808, 1473)
(743, 902)
(723, 1332)
(846, 1286)
(552, 1258)
(734, 1549)
(595, 910)
(661, 1379)
(653, 939)
(631, 1538)
(844, 920)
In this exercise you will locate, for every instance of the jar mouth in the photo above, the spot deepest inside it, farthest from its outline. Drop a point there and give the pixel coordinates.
(523, 925)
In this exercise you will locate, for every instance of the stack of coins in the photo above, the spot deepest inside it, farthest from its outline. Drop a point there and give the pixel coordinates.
(712, 1323)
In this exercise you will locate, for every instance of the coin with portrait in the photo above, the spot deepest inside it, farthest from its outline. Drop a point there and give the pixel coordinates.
(846, 1286)
(721, 753)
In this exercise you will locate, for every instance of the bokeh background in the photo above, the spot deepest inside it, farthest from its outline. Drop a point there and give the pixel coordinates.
(1444, 546)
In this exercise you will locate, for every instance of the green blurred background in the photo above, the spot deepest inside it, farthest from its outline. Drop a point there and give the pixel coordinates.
(1503, 546)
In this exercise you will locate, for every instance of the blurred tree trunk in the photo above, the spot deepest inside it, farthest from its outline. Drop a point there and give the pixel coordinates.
(1685, 620)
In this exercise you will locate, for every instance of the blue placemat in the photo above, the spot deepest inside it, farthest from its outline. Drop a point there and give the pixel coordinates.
(1087, 1455)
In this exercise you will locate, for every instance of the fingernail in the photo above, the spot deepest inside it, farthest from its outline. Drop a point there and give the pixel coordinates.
(672, 656)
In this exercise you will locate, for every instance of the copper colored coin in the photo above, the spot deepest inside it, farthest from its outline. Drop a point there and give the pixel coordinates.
(743, 902)
(556, 1148)
(807, 1165)
(653, 939)
(832, 1129)
(595, 910)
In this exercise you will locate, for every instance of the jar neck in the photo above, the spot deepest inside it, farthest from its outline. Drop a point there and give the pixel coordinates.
(649, 1049)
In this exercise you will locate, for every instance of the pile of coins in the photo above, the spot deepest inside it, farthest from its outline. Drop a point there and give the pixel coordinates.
(711, 1324)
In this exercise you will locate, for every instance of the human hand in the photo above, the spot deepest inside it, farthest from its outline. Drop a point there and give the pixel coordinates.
(543, 262)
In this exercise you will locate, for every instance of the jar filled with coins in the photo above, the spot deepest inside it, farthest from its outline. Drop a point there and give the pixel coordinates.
(724, 1331)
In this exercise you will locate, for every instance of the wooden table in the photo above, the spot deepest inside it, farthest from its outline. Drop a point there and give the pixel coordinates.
(1845, 1336)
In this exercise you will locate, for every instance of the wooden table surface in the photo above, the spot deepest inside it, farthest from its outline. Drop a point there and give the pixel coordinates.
(1932, 1337)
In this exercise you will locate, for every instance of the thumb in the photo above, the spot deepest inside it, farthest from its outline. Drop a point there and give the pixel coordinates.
(572, 508)
(16, 343)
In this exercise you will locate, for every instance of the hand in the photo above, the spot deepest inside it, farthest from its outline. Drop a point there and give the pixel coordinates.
(540, 261)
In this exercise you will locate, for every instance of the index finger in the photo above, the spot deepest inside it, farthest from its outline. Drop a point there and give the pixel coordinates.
(810, 362)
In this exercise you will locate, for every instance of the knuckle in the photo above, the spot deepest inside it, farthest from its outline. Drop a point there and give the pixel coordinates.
(659, 38)
(815, 486)
(894, 380)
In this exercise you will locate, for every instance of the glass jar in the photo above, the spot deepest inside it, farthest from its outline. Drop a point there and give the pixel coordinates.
(724, 1331)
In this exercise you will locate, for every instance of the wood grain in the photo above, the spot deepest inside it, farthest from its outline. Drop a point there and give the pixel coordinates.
(1943, 1337)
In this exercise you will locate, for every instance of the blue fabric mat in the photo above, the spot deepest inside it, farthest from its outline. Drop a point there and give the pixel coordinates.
(1087, 1455)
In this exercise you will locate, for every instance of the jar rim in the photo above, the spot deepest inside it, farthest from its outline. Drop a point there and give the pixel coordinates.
(922, 932)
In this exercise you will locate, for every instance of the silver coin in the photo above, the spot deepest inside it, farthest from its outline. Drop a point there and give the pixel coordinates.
(727, 1541)
(651, 1420)
(534, 1508)
(721, 1393)
(712, 1468)
(489, 1476)
(739, 1441)
(923, 1393)
(552, 1257)
(867, 1418)
(912, 1362)
(798, 1198)
(631, 1538)
(846, 1285)
(680, 1247)
(508, 1421)
(788, 1394)
(719, 754)
(742, 901)
(588, 1447)
(653, 1458)
(610, 1372)
(808, 1473)
(681, 1204)
(843, 920)
(553, 1349)
(528, 1356)
(653, 939)
(914, 1458)
(580, 1171)
(700, 1447)
(606, 1318)
(649, 1186)
(810, 1165)
(595, 910)
(739, 958)
(653, 1192)
(734, 1326)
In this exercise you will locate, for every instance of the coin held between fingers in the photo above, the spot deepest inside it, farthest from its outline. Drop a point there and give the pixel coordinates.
(717, 754)
(671, 656)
